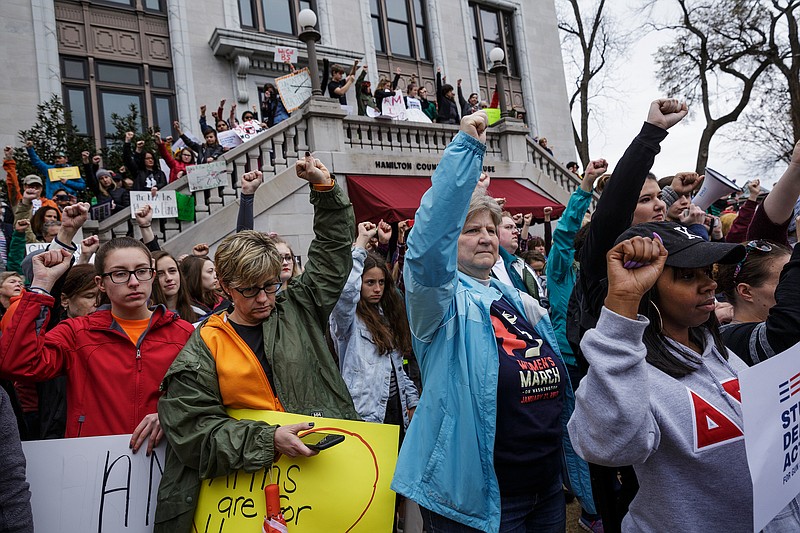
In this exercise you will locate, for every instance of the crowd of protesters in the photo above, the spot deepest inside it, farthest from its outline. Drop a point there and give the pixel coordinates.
(521, 370)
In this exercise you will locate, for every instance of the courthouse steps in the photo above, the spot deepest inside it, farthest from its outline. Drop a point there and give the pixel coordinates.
(347, 145)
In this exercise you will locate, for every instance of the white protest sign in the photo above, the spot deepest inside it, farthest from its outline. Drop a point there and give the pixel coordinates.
(100, 211)
(394, 106)
(92, 484)
(248, 130)
(36, 246)
(208, 176)
(285, 54)
(162, 163)
(229, 139)
(771, 411)
(179, 144)
(413, 103)
(294, 89)
(164, 204)
(417, 115)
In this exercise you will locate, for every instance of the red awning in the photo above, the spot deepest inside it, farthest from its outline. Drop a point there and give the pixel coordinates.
(396, 198)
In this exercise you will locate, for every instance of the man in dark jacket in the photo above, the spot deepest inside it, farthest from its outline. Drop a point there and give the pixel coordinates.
(445, 98)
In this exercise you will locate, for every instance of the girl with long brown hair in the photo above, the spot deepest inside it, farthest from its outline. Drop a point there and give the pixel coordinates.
(171, 289)
(201, 282)
(371, 334)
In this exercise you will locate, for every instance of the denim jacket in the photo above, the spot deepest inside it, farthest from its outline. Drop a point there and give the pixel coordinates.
(446, 463)
(366, 372)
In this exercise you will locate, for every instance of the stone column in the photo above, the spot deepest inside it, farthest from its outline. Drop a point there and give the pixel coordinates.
(46, 39)
(181, 60)
(325, 130)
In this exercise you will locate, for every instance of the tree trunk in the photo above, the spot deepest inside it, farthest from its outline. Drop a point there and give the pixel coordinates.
(704, 145)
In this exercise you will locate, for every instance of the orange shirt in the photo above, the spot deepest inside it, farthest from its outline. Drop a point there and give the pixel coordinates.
(133, 328)
(9, 314)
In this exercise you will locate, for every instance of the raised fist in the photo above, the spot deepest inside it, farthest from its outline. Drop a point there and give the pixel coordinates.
(251, 181)
(200, 250)
(475, 125)
(22, 225)
(666, 112)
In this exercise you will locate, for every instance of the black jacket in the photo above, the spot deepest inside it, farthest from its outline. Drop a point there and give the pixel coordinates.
(203, 151)
(448, 109)
(611, 218)
(119, 194)
(143, 179)
(754, 342)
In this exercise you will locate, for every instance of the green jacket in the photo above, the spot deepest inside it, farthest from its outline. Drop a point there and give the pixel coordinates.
(25, 211)
(16, 252)
(365, 100)
(203, 441)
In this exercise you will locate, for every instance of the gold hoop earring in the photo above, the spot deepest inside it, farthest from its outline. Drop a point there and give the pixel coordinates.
(658, 313)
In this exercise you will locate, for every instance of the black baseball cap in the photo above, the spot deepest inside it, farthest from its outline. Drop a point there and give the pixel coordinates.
(686, 250)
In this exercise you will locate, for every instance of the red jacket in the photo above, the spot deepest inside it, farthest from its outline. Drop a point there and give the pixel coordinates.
(111, 384)
(176, 166)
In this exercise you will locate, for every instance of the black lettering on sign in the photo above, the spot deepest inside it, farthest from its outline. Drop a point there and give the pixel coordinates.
(289, 478)
(230, 507)
(126, 488)
(153, 461)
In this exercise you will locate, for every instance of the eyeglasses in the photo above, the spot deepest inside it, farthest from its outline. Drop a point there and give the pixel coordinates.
(510, 227)
(287, 258)
(62, 197)
(252, 292)
(123, 276)
(759, 246)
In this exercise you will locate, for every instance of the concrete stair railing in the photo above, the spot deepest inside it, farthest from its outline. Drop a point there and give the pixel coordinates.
(323, 128)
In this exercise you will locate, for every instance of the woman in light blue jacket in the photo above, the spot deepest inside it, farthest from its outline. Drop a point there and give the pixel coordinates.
(370, 331)
(487, 448)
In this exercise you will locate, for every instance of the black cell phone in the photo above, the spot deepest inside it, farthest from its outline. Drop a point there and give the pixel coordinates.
(321, 441)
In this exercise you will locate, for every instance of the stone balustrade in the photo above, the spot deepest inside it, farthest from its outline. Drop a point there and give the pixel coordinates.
(321, 126)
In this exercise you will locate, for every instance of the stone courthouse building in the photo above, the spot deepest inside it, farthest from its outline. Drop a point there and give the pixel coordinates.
(171, 56)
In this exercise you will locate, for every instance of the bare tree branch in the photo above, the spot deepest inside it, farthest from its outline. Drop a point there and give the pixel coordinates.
(592, 42)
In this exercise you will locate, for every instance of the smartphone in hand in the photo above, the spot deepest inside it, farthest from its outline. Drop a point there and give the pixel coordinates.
(321, 441)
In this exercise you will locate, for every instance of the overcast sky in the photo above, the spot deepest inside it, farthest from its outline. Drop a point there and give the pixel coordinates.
(622, 112)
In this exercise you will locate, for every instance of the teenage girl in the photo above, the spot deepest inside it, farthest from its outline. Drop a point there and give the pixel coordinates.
(370, 331)
(114, 358)
(171, 290)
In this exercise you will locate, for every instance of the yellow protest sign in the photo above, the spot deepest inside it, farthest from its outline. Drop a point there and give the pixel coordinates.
(493, 114)
(343, 488)
(64, 173)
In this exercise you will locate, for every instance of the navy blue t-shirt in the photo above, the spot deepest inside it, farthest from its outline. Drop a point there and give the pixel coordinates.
(530, 393)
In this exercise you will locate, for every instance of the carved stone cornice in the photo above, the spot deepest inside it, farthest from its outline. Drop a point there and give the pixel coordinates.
(241, 64)
(229, 43)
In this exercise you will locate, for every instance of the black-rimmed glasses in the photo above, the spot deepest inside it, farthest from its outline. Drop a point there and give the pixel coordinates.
(123, 276)
(252, 292)
(759, 245)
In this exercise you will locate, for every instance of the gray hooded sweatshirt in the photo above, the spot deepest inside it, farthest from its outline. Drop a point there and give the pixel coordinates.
(683, 436)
